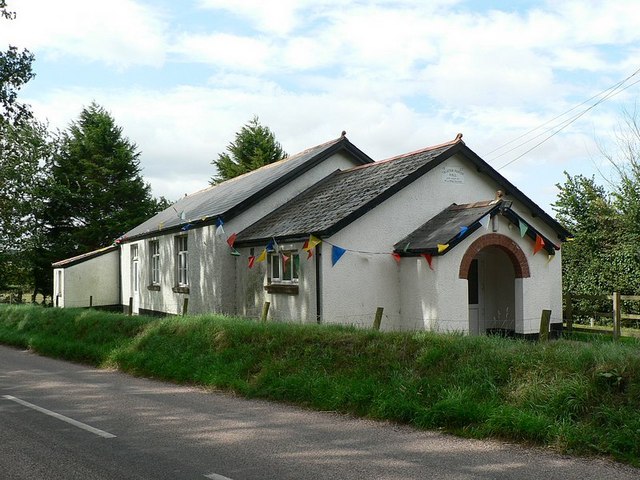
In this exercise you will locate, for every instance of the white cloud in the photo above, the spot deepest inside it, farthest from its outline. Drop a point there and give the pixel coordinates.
(396, 76)
(224, 50)
(119, 33)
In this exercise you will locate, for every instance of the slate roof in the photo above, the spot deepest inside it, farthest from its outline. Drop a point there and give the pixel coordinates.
(229, 198)
(68, 262)
(446, 228)
(342, 197)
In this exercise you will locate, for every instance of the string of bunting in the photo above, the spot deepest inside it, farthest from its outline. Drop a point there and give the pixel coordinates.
(337, 252)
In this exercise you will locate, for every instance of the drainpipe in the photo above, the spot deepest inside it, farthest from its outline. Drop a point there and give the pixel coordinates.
(319, 283)
(120, 276)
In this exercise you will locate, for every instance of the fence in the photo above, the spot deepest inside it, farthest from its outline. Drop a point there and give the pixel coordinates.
(617, 315)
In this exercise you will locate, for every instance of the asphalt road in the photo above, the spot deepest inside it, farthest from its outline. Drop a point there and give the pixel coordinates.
(60, 420)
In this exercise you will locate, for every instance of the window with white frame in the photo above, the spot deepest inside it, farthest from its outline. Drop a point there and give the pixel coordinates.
(154, 258)
(284, 266)
(182, 261)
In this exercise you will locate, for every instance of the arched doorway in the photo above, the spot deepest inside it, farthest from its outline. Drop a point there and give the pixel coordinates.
(493, 266)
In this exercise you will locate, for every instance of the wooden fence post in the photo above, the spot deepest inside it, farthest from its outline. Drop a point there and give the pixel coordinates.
(265, 311)
(545, 320)
(569, 312)
(378, 318)
(616, 315)
(185, 306)
(130, 306)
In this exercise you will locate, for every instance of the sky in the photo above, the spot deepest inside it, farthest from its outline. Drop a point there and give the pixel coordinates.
(181, 78)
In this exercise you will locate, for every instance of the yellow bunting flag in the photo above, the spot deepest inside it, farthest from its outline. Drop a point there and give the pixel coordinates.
(262, 257)
(312, 242)
(442, 248)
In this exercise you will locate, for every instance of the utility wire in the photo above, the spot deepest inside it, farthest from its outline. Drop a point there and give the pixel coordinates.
(566, 124)
(605, 94)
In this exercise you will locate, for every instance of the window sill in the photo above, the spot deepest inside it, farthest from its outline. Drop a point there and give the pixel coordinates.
(180, 289)
(153, 288)
(287, 289)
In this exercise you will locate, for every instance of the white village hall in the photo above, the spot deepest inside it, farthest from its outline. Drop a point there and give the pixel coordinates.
(437, 238)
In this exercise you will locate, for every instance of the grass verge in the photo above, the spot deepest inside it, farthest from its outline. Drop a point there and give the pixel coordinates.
(576, 397)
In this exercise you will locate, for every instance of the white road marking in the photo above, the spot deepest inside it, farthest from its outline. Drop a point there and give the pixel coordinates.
(71, 421)
(215, 476)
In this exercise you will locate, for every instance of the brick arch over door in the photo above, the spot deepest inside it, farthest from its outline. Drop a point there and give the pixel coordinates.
(504, 243)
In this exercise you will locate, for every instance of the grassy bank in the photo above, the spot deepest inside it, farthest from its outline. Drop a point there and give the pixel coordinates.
(576, 397)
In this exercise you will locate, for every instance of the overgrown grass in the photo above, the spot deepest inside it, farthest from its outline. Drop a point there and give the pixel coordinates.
(577, 397)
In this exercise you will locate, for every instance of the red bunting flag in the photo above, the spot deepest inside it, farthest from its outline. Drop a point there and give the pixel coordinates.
(252, 259)
(305, 247)
(231, 240)
(396, 257)
(539, 244)
(285, 259)
(309, 254)
(429, 259)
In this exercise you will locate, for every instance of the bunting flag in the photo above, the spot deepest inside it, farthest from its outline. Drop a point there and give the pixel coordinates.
(523, 228)
(442, 248)
(232, 239)
(336, 254)
(463, 230)
(262, 257)
(429, 259)
(312, 242)
(252, 259)
(550, 258)
(187, 227)
(396, 257)
(219, 229)
(270, 246)
(309, 254)
(539, 244)
(285, 259)
(235, 252)
(305, 246)
(484, 221)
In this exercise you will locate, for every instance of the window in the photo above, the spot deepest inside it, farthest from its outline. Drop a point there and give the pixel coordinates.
(182, 261)
(284, 267)
(154, 252)
(134, 252)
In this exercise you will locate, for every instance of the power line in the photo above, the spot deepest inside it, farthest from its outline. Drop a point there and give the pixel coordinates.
(555, 129)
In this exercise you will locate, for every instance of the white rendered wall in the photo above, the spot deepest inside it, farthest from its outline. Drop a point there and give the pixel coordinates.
(412, 294)
(212, 269)
(284, 307)
(95, 277)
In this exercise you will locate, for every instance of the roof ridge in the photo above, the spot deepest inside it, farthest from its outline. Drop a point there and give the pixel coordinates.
(455, 141)
(269, 165)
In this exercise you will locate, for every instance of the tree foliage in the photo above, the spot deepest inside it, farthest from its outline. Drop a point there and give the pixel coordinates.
(15, 72)
(24, 153)
(605, 255)
(254, 146)
(97, 191)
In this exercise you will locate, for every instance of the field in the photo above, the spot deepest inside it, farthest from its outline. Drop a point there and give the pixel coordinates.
(574, 396)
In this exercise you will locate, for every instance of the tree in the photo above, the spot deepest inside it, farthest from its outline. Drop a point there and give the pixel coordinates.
(97, 192)
(254, 146)
(15, 71)
(24, 152)
(605, 255)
